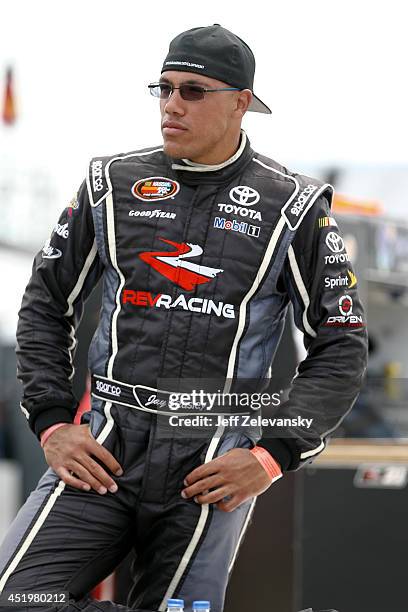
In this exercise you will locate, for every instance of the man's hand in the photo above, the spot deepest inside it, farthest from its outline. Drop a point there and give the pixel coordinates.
(69, 451)
(237, 476)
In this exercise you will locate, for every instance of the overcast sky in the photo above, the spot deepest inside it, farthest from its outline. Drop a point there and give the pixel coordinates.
(334, 74)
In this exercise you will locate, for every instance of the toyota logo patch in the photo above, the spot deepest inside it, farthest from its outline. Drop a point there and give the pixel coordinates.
(244, 195)
(334, 242)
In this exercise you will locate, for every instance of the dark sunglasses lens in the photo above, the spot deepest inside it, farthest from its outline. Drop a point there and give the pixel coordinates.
(191, 92)
(165, 90)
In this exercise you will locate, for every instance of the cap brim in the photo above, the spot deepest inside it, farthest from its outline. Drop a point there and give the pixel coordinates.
(257, 106)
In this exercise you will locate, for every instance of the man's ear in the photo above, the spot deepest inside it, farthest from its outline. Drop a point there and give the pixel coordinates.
(244, 99)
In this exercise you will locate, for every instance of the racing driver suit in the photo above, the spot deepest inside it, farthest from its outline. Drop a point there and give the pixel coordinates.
(199, 265)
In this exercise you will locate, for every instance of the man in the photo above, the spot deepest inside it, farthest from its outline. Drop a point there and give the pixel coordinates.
(201, 243)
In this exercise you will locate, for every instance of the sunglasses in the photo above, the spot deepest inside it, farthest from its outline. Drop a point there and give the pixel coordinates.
(189, 92)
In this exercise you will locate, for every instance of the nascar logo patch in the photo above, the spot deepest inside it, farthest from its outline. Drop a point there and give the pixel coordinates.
(155, 188)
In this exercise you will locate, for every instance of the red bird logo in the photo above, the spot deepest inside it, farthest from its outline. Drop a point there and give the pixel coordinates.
(173, 265)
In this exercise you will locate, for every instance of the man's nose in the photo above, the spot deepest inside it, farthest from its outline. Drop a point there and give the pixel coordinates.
(174, 103)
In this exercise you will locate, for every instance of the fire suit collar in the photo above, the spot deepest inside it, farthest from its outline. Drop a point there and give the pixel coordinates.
(193, 173)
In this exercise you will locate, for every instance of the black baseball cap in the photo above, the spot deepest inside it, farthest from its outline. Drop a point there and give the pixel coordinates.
(217, 53)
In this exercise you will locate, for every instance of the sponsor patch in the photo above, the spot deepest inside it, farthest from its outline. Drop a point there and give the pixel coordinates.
(244, 195)
(337, 258)
(327, 222)
(346, 317)
(62, 230)
(105, 387)
(301, 201)
(50, 252)
(146, 299)
(173, 264)
(340, 281)
(335, 242)
(237, 226)
(242, 211)
(334, 283)
(97, 182)
(155, 188)
(346, 305)
(353, 279)
(153, 214)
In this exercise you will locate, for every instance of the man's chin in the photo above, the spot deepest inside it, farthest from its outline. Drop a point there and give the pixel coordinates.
(175, 150)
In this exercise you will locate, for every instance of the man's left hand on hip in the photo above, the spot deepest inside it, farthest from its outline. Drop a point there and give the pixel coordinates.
(227, 481)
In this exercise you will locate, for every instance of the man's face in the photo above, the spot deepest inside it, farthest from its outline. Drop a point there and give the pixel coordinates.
(195, 129)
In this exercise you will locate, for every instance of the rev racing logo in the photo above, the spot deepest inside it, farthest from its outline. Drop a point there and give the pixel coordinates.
(154, 188)
(176, 267)
(146, 299)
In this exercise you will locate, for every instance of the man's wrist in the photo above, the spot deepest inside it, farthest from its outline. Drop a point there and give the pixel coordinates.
(50, 430)
(270, 465)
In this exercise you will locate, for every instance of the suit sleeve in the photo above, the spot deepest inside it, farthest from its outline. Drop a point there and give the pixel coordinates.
(63, 275)
(320, 282)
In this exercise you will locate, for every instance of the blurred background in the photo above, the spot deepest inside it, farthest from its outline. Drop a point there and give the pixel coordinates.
(73, 82)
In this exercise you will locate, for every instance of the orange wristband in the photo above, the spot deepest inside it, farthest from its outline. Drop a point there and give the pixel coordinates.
(47, 432)
(270, 465)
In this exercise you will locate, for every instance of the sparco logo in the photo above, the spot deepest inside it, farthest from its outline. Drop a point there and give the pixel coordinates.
(300, 203)
(62, 230)
(334, 242)
(243, 195)
(108, 388)
(240, 210)
(97, 175)
(193, 304)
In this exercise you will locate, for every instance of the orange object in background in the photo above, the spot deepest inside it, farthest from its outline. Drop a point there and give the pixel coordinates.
(9, 106)
(85, 403)
(105, 590)
(344, 204)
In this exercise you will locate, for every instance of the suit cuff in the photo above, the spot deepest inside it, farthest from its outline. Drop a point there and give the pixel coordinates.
(51, 416)
(279, 451)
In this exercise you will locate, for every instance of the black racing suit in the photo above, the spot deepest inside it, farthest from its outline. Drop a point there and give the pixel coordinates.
(199, 265)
